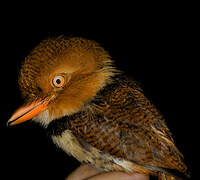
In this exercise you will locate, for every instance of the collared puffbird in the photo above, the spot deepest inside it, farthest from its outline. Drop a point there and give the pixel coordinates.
(93, 111)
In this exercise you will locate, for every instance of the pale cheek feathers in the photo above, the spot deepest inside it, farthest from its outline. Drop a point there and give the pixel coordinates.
(43, 118)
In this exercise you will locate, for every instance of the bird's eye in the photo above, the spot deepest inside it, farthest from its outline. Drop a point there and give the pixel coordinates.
(58, 81)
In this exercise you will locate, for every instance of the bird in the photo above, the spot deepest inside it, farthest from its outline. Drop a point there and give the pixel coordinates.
(95, 112)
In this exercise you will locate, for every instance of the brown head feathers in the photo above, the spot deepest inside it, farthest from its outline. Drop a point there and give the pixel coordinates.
(83, 64)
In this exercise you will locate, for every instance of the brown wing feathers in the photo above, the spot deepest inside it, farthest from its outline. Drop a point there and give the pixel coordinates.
(125, 124)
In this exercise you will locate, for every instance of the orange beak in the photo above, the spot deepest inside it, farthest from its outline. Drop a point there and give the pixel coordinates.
(27, 112)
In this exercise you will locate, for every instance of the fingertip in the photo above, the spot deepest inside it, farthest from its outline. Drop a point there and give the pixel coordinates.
(119, 176)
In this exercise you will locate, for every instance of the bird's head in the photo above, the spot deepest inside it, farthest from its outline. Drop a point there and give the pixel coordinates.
(59, 77)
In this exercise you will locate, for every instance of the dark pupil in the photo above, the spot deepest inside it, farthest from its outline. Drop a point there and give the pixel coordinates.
(58, 81)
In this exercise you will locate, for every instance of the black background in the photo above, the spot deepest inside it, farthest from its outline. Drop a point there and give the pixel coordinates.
(157, 49)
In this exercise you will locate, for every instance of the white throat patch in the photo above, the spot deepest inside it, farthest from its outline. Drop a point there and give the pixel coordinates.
(43, 118)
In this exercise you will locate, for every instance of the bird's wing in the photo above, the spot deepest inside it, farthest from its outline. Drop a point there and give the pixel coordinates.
(130, 127)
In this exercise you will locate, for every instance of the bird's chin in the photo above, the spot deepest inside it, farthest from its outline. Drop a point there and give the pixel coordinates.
(43, 118)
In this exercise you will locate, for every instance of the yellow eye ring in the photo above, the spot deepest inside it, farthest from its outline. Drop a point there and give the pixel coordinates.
(58, 81)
